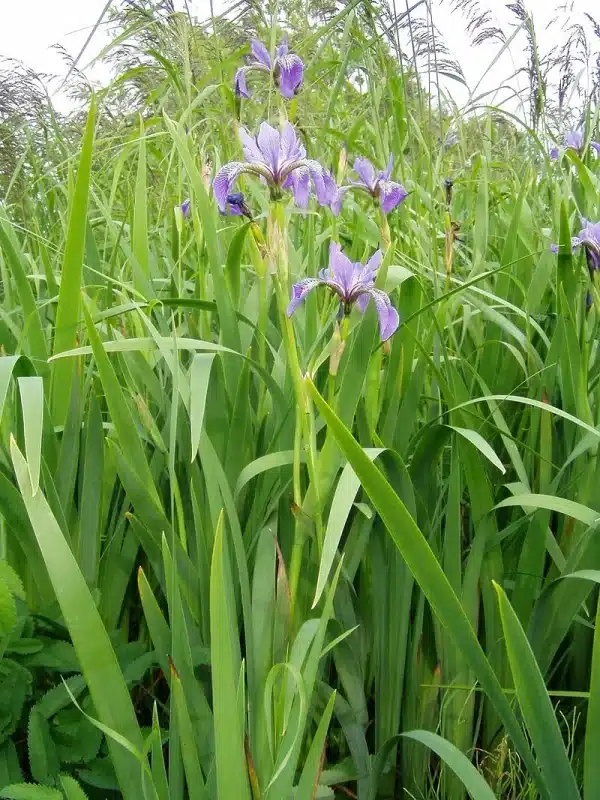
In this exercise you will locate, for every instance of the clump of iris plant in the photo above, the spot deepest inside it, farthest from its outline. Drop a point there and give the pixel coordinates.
(378, 184)
(279, 159)
(574, 140)
(352, 283)
(286, 69)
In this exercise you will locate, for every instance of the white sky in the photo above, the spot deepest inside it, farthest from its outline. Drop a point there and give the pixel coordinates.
(30, 28)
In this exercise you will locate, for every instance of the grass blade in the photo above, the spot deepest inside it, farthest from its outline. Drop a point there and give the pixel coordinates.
(429, 575)
(535, 705)
(69, 300)
(90, 639)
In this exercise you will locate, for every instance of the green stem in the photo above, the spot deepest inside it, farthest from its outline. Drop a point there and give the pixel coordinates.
(304, 436)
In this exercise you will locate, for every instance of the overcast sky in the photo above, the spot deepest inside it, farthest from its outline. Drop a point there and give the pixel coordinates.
(30, 28)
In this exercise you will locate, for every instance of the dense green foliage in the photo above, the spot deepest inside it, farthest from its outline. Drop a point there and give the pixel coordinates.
(245, 556)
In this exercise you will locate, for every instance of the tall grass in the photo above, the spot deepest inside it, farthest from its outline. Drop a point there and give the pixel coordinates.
(249, 556)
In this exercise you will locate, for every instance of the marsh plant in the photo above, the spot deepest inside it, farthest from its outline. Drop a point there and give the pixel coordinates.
(299, 419)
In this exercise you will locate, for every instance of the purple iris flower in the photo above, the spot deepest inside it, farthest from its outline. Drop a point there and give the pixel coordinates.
(353, 283)
(280, 160)
(185, 208)
(589, 239)
(286, 68)
(574, 140)
(377, 184)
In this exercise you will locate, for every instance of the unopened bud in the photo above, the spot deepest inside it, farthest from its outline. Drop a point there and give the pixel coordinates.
(338, 345)
(342, 163)
(205, 175)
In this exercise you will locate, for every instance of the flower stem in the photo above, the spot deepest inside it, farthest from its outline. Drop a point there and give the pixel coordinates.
(305, 437)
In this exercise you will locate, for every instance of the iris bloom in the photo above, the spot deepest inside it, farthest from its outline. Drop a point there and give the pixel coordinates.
(286, 68)
(589, 239)
(377, 184)
(280, 160)
(573, 141)
(185, 208)
(353, 283)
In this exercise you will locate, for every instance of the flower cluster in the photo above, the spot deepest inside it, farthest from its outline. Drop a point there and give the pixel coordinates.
(279, 160)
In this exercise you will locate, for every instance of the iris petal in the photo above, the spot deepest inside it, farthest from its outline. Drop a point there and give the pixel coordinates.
(249, 147)
(299, 292)
(391, 194)
(574, 140)
(300, 180)
(390, 166)
(282, 50)
(224, 180)
(260, 53)
(268, 141)
(291, 73)
(365, 171)
(241, 88)
(388, 316)
(291, 149)
(337, 199)
(341, 269)
(325, 187)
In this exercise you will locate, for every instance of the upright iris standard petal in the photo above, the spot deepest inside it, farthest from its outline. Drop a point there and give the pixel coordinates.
(341, 270)
(365, 171)
(269, 144)
(283, 48)
(291, 148)
(352, 283)
(250, 148)
(385, 175)
(554, 153)
(337, 199)
(324, 184)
